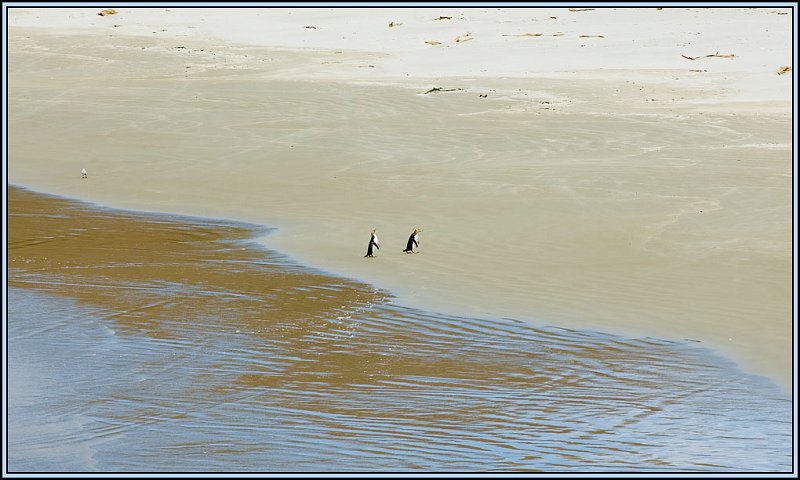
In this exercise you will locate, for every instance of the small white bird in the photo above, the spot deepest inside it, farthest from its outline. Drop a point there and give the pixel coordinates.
(83, 173)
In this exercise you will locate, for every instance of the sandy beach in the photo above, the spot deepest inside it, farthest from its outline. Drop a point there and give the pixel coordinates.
(574, 168)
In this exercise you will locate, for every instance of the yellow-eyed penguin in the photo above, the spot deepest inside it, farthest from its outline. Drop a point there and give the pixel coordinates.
(413, 241)
(373, 242)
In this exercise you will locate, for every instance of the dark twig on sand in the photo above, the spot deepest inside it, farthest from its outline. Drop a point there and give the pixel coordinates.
(720, 55)
(439, 89)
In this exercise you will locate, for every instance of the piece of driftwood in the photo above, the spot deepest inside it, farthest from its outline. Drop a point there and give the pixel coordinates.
(557, 34)
(107, 11)
(784, 69)
(443, 18)
(720, 55)
(394, 24)
(580, 9)
(592, 36)
(463, 38)
(439, 89)
(432, 42)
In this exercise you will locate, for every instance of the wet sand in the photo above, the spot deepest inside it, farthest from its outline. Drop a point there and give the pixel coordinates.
(156, 343)
(641, 202)
(132, 266)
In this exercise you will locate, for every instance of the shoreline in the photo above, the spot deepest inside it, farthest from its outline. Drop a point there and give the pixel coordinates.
(148, 350)
(559, 279)
(258, 239)
(251, 238)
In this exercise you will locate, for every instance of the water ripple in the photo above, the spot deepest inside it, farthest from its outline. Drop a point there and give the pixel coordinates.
(180, 364)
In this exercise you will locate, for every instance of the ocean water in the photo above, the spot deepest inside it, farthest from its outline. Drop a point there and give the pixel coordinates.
(240, 360)
(386, 389)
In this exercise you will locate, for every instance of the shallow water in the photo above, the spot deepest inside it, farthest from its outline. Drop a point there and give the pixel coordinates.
(162, 344)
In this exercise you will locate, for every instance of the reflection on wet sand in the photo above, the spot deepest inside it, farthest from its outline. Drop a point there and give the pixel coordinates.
(139, 267)
(228, 357)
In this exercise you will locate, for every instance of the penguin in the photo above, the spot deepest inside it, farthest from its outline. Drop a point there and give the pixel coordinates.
(83, 173)
(373, 242)
(413, 240)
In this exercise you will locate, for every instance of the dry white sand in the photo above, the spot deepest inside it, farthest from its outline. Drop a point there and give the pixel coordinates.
(604, 181)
